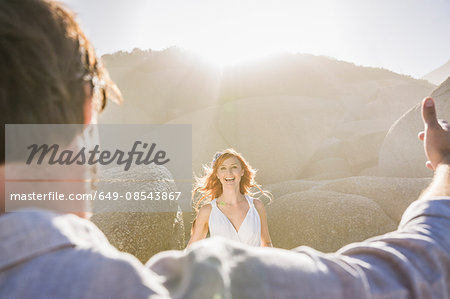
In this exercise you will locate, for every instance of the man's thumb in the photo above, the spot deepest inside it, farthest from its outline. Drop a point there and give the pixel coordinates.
(429, 112)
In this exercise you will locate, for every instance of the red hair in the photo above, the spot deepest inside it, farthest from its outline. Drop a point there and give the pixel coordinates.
(209, 185)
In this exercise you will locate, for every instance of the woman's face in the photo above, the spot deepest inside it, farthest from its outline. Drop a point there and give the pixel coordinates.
(230, 172)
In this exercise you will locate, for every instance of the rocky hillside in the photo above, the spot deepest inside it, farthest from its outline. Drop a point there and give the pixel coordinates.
(321, 118)
(314, 127)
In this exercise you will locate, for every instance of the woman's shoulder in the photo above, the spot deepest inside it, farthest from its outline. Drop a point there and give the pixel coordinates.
(203, 213)
(205, 209)
(259, 205)
(251, 199)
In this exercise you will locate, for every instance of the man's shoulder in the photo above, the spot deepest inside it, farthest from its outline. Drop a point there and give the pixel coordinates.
(74, 254)
(100, 265)
(87, 273)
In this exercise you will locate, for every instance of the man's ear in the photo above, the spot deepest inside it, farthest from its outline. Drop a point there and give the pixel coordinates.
(88, 109)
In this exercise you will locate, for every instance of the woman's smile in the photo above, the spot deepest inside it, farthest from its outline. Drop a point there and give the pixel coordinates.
(230, 171)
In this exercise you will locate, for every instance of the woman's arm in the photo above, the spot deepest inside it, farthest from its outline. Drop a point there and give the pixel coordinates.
(265, 236)
(200, 225)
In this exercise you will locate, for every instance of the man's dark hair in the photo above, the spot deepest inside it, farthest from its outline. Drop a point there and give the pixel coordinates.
(45, 62)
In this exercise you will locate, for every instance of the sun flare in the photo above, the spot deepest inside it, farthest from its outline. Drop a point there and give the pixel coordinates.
(228, 56)
(233, 34)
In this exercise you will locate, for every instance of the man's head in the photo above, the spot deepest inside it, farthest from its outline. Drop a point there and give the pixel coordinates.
(49, 73)
(48, 68)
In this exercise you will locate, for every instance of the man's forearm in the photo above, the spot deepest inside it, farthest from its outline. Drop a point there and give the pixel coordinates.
(440, 186)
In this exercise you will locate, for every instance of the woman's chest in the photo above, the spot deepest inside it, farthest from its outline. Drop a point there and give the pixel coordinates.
(235, 215)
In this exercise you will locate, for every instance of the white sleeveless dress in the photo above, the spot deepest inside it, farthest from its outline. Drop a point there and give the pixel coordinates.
(249, 231)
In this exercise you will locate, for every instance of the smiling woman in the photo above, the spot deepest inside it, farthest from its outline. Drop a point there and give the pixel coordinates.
(231, 212)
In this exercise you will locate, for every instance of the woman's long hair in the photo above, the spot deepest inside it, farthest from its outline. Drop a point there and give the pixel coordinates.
(209, 185)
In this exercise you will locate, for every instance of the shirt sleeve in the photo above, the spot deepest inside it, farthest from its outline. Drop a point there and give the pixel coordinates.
(412, 262)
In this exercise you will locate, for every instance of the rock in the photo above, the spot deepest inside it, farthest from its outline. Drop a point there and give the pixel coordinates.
(188, 218)
(328, 167)
(134, 226)
(349, 129)
(392, 100)
(352, 147)
(325, 220)
(363, 149)
(330, 175)
(142, 234)
(361, 141)
(288, 187)
(393, 195)
(401, 153)
(371, 171)
(332, 147)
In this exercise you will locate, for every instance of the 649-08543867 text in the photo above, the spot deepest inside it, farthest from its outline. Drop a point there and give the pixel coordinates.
(99, 195)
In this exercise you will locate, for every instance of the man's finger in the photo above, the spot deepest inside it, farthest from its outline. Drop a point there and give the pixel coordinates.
(429, 112)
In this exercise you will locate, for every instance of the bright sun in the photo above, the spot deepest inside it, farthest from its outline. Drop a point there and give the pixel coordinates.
(231, 55)
(231, 34)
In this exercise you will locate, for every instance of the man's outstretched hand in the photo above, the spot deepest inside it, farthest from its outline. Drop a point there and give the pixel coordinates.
(436, 136)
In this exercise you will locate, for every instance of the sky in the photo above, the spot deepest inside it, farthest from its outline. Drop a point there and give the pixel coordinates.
(409, 37)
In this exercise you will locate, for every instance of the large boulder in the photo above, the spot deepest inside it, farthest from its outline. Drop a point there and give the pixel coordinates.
(363, 149)
(393, 98)
(401, 153)
(353, 147)
(392, 195)
(325, 220)
(287, 187)
(142, 234)
(327, 168)
(329, 214)
(142, 228)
